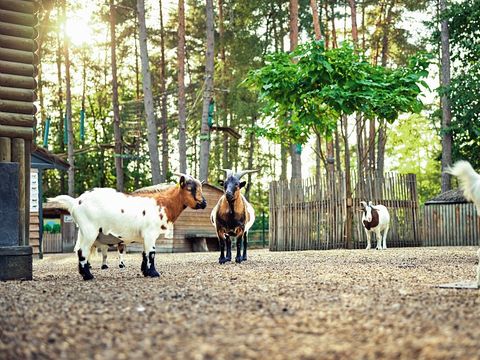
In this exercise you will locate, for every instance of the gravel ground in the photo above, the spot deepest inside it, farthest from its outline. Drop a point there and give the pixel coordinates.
(333, 304)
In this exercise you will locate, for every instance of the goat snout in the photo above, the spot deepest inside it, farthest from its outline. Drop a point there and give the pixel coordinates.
(229, 195)
(202, 204)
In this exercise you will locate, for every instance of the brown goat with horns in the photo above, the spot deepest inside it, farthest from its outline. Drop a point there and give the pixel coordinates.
(233, 216)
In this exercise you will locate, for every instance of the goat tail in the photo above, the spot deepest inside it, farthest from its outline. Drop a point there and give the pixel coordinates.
(66, 202)
(469, 180)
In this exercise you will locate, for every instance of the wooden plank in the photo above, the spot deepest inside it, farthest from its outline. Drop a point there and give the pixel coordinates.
(17, 43)
(18, 18)
(10, 93)
(22, 120)
(16, 131)
(27, 32)
(14, 68)
(18, 155)
(5, 149)
(17, 107)
(26, 7)
(18, 81)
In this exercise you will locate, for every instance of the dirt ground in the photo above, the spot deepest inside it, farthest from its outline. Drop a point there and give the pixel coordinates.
(335, 304)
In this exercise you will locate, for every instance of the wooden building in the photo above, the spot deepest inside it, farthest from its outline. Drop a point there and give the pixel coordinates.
(18, 69)
(41, 160)
(193, 230)
(450, 220)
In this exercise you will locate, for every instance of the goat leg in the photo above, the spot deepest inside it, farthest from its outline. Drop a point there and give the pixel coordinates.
(238, 258)
(83, 267)
(245, 245)
(221, 241)
(144, 263)
(229, 248)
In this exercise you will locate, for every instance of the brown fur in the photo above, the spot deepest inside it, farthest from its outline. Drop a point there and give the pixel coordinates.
(239, 209)
(374, 222)
(173, 199)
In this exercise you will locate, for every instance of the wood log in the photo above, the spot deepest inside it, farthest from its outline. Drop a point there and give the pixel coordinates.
(14, 68)
(18, 156)
(15, 17)
(5, 149)
(26, 57)
(17, 107)
(28, 164)
(17, 81)
(17, 119)
(9, 93)
(17, 43)
(27, 32)
(16, 132)
(26, 7)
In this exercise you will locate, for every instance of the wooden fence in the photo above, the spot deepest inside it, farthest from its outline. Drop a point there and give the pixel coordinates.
(311, 214)
(52, 243)
(450, 224)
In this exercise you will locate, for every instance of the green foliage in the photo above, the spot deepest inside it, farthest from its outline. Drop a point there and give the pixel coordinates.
(413, 147)
(307, 90)
(464, 27)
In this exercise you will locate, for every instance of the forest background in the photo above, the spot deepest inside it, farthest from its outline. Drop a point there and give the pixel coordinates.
(99, 109)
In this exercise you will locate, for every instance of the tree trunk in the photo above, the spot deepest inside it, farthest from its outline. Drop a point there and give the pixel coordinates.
(61, 128)
(207, 95)
(334, 30)
(251, 150)
(116, 111)
(68, 105)
(316, 21)
(182, 112)
(223, 100)
(163, 90)
(348, 187)
(43, 31)
(296, 156)
(147, 94)
(445, 101)
(353, 13)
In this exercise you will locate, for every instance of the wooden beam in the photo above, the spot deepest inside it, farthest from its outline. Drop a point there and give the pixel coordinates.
(18, 155)
(26, 57)
(17, 119)
(14, 68)
(26, 32)
(16, 132)
(9, 93)
(5, 149)
(26, 7)
(28, 165)
(17, 81)
(17, 107)
(15, 17)
(17, 43)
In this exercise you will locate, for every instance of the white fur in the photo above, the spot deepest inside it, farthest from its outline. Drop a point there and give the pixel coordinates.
(383, 225)
(248, 207)
(469, 181)
(102, 208)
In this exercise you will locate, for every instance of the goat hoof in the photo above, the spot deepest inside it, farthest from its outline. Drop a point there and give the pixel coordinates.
(87, 275)
(222, 260)
(121, 265)
(104, 267)
(228, 259)
(244, 258)
(152, 272)
(238, 259)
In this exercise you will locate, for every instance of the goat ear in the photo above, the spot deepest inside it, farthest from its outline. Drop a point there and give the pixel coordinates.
(242, 184)
(221, 182)
(182, 181)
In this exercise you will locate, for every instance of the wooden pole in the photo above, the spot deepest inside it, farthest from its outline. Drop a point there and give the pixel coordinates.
(8, 93)
(18, 155)
(28, 163)
(5, 149)
(16, 119)
(16, 132)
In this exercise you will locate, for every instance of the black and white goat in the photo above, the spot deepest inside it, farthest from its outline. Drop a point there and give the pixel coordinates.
(233, 216)
(375, 219)
(469, 181)
(137, 217)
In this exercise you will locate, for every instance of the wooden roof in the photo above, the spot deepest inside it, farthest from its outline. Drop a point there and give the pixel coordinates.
(44, 159)
(454, 196)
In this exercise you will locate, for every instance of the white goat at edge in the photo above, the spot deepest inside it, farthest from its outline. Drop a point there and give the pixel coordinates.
(375, 219)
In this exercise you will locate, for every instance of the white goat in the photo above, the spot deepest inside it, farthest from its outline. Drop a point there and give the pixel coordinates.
(233, 216)
(470, 184)
(375, 219)
(136, 217)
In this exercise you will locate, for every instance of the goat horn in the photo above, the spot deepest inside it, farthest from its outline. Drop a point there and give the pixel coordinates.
(182, 174)
(243, 172)
(363, 203)
(228, 171)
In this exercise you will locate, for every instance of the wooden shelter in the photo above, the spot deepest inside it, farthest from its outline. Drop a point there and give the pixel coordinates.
(450, 220)
(41, 160)
(193, 230)
(17, 93)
